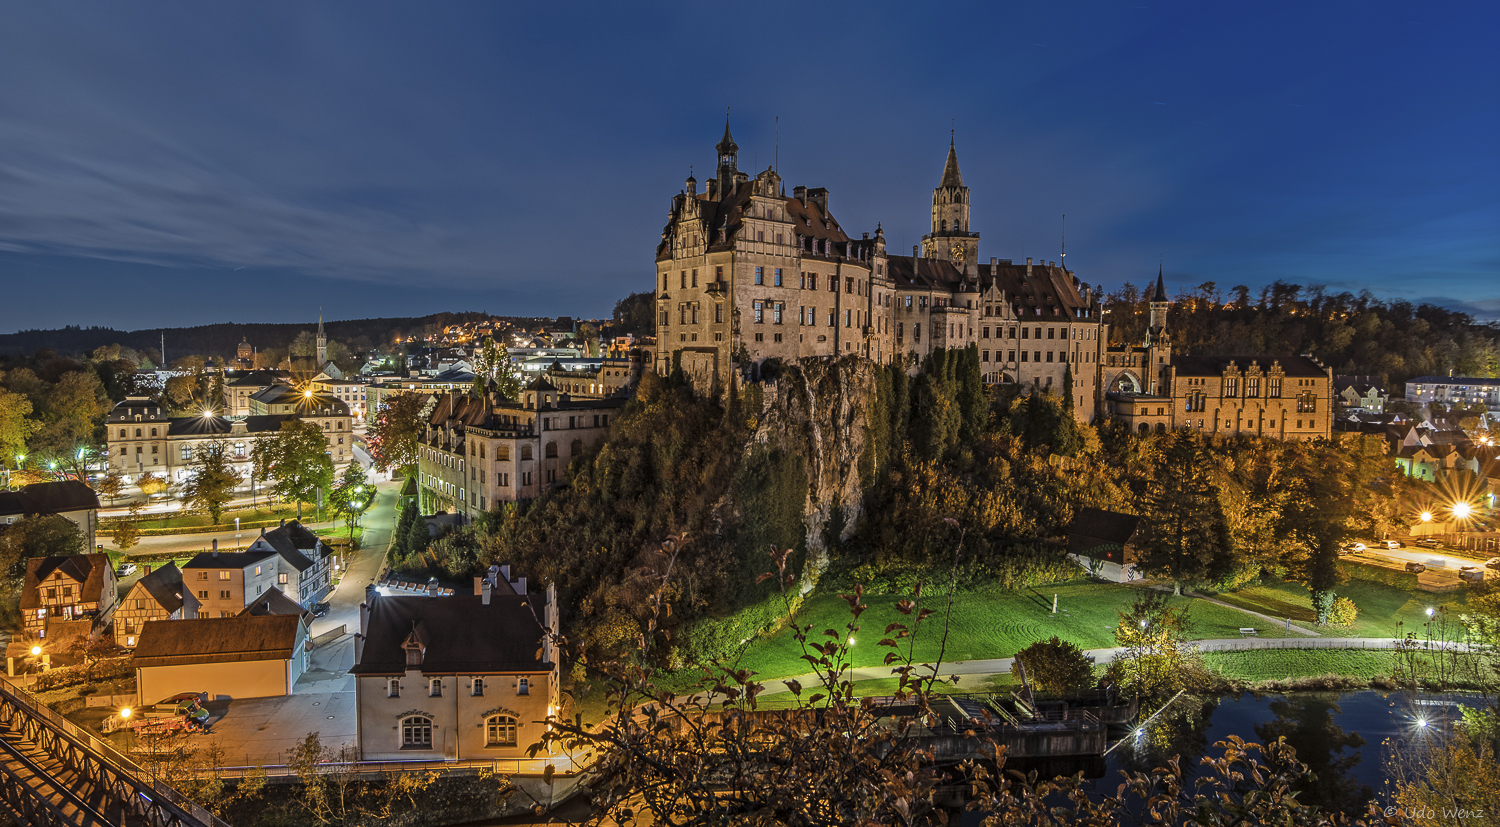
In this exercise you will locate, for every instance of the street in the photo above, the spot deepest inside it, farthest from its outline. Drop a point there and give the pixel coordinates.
(378, 522)
(1434, 558)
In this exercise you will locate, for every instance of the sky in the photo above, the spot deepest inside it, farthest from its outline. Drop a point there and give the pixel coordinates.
(171, 164)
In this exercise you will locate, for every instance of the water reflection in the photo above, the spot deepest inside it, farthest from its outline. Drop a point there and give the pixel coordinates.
(1306, 721)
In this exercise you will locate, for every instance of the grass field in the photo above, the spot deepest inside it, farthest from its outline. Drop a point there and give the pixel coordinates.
(247, 515)
(986, 625)
(1381, 607)
(1280, 664)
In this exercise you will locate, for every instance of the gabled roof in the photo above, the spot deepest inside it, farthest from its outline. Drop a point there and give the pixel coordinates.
(461, 635)
(165, 586)
(273, 602)
(228, 559)
(49, 498)
(1098, 524)
(293, 542)
(87, 569)
(217, 640)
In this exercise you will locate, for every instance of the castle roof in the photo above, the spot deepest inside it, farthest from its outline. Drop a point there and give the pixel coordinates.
(951, 175)
(1302, 366)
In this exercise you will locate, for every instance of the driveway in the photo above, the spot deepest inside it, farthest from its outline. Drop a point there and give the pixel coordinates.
(265, 731)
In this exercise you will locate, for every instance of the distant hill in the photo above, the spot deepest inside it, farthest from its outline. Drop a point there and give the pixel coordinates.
(221, 339)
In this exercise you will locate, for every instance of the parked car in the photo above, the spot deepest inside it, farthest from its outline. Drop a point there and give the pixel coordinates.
(126, 569)
(1392, 544)
(1428, 542)
(1472, 574)
(1492, 563)
(1352, 548)
(1416, 568)
(320, 609)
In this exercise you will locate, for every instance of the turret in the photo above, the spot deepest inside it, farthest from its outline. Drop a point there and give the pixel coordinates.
(728, 151)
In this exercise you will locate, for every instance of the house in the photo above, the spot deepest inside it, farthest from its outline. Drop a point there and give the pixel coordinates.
(307, 575)
(288, 558)
(1101, 541)
(70, 498)
(1359, 393)
(160, 595)
(67, 588)
(228, 657)
(461, 677)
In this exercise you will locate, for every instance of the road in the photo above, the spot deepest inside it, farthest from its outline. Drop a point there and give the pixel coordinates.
(378, 523)
(187, 544)
(1434, 558)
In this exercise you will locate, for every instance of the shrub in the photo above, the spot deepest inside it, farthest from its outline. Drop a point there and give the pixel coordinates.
(1055, 666)
(1343, 612)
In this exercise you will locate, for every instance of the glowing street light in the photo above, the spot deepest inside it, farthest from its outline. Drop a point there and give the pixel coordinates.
(307, 394)
(36, 651)
(1426, 516)
(1429, 612)
(1462, 510)
(125, 713)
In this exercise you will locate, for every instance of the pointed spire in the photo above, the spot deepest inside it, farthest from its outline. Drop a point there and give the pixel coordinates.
(726, 145)
(1161, 288)
(951, 176)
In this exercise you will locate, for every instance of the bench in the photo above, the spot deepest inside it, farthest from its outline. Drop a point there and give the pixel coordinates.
(1245, 630)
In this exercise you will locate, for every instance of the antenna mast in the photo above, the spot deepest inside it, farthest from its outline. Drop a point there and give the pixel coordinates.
(777, 158)
(1064, 261)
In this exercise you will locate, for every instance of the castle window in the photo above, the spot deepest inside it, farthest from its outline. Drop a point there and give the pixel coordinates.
(1049, 333)
(718, 314)
(776, 314)
(393, 688)
(137, 433)
(985, 333)
(718, 275)
(984, 355)
(777, 276)
(1307, 402)
(1273, 389)
(833, 284)
(760, 312)
(551, 449)
(760, 275)
(1252, 386)
(1010, 355)
(778, 238)
(916, 333)
(153, 432)
(1025, 333)
(684, 279)
(760, 235)
(1232, 386)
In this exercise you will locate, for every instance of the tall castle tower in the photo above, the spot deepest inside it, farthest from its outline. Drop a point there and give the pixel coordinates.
(950, 237)
(1158, 340)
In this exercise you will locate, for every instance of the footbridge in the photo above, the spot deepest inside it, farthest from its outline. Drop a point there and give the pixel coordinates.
(54, 773)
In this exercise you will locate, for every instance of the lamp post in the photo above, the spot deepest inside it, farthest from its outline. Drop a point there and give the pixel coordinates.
(125, 713)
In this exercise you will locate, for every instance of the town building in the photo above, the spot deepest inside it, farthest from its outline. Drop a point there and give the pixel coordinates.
(223, 657)
(288, 558)
(142, 439)
(274, 602)
(348, 390)
(1286, 397)
(462, 677)
(1462, 391)
(65, 590)
(159, 595)
(240, 385)
(1359, 394)
(68, 498)
(477, 452)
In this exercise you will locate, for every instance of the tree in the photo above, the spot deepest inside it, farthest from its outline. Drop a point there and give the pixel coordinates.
(1183, 533)
(37, 535)
(493, 368)
(126, 533)
(16, 426)
(348, 497)
(296, 460)
(212, 480)
(635, 314)
(110, 485)
(1156, 659)
(400, 542)
(151, 484)
(417, 536)
(393, 436)
(1055, 666)
(1315, 518)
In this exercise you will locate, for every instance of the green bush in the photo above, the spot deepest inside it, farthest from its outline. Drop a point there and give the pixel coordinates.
(1054, 665)
(1343, 612)
(104, 670)
(709, 639)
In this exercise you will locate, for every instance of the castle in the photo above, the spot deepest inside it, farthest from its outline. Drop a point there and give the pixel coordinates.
(745, 274)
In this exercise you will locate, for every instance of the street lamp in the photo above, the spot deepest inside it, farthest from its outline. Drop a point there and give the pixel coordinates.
(1426, 516)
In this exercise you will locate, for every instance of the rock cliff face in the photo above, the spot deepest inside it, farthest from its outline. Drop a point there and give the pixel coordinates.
(818, 410)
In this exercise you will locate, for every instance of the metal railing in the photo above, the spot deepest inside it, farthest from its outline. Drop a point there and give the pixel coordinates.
(99, 762)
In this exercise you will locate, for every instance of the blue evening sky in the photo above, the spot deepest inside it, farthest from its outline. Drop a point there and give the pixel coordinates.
(186, 163)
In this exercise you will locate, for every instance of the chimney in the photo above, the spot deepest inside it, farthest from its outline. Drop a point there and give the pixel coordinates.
(477, 581)
(800, 193)
(484, 594)
(505, 572)
(520, 586)
(994, 261)
(216, 547)
(262, 531)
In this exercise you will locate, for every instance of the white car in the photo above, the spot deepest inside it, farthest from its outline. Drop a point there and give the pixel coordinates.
(1392, 544)
(1492, 563)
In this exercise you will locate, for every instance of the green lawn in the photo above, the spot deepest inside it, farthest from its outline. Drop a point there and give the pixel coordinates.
(198, 520)
(986, 625)
(1281, 664)
(1381, 607)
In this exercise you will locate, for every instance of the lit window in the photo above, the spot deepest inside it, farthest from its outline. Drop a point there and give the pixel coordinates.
(416, 732)
(500, 731)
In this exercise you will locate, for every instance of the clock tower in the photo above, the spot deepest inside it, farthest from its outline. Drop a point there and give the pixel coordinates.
(950, 237)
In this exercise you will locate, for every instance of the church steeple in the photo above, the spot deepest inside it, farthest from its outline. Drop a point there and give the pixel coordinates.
(1156, 332)
(322, 343)
(727, 150)
(951, 176)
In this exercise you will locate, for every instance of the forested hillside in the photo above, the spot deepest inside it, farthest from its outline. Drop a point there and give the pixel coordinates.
(221, 340)
(1353, 334)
